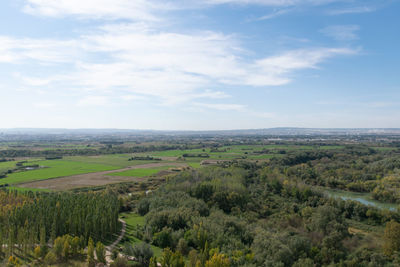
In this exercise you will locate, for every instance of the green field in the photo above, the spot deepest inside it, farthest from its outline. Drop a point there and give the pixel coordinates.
(53, 169)
(118, 160)
(141, 172)
(4, 166)
(72, 165)
(24, 189)
(132, 221)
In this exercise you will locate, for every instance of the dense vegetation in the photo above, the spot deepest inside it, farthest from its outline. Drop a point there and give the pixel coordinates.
(354, 168)
(260, 202)
(250, 215)
(29, 219)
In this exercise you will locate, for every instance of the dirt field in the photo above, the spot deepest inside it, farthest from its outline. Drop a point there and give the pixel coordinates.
(93, 179)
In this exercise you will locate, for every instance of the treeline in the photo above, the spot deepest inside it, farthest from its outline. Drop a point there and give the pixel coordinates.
(12, 153)
(26, 219)
(245, 215)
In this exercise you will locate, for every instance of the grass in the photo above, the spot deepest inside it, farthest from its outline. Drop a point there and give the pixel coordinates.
(53, 169)
(132, 221)
(140, 172)
(24, 189)
(195, 165)
(118, 160)
(7, 165)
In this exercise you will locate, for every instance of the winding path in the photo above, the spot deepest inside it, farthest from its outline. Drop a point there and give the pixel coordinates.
(110, 248)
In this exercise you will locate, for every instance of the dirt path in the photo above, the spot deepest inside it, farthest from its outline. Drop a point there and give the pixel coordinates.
(94, 178)
(110, 248)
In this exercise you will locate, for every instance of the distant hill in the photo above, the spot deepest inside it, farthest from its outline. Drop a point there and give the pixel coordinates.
(268, 131)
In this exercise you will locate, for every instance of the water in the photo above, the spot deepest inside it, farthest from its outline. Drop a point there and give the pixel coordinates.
(364, 198)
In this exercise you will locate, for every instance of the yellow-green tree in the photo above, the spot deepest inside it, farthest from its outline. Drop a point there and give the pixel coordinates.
(391, 238)
(172, 259)
(100, 252)
(90, 253)
(218, 260)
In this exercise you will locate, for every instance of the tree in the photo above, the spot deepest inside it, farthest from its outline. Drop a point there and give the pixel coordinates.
(142, 252)
(50, 258)
(120, 262)
(218, 260)
(172, 259)
(75, 246)
(66, 248)
(100, 252)
(58, 247)
(43, 243)
(391, 238)
(90, 253)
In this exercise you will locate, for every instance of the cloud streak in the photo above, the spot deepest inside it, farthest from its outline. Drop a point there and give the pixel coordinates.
(342, 32)
(172, 67)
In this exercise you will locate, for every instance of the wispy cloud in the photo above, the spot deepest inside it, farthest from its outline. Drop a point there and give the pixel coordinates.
(141, 10)
(145, 10)
(221, 107)
(272, 2)
(352, 10)
(342, 32)
(172, 67)
(273, 14)
(93, 101)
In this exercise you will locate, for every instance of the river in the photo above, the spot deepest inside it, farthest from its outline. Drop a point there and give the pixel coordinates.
(364, 198)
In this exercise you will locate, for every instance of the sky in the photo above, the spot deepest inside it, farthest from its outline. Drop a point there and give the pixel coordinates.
(199, 64)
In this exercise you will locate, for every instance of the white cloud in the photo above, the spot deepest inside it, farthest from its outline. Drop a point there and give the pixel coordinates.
(13, 50)
(44, 105)
(272, 15)
(341, 32)
(352, 10)
(142, 10)
(172, 68)
(272, 2)
(276, 70)
(221, 107)
(93, 101)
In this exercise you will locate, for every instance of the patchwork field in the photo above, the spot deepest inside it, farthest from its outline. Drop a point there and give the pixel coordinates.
(84, 171)
(98, 178)
(52, 169)
(141, 172)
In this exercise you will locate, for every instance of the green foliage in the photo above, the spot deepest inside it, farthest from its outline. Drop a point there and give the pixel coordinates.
(391, 238)
(100, 252)
(51, 258)
(120, 262)
(172, 259)
(142, 252)
(90, 253)
(36, 217)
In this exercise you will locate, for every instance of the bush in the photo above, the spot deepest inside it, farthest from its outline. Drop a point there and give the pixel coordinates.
(50, 258)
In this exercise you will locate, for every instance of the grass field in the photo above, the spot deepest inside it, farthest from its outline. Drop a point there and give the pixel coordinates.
(24, 189)
(118, 160)
(4, 166)
(132, 221)
(53, 169)
(141, 172)
(73, 165)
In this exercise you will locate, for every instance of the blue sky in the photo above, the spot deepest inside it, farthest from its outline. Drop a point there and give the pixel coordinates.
(199, 65)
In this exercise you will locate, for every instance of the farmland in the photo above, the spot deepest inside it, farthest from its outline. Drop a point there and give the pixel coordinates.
(52, 169)
(177, 194)
(141, 172)
(83, 171)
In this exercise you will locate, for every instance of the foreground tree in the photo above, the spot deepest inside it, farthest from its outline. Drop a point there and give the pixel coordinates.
(391, 238)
